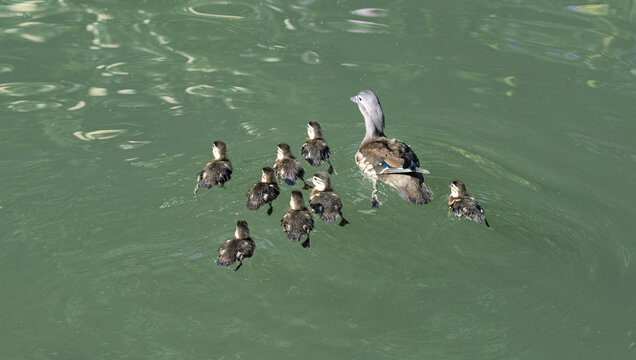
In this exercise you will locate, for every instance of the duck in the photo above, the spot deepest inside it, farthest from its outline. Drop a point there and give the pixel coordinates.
(465, 205)
(297, 221)
(264, 191)
(239, 247)
(387, 159)
(315, 149)
(217, 171)
(324, 201)
(287, 167)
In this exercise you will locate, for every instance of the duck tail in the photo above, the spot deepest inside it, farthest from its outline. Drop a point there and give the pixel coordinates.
(411, 187)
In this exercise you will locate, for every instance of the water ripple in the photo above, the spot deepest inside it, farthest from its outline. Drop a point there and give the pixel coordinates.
(33, 105)
(371, 12)
(366, 27)
(27, 88)
(193, 11)
(99, 134)
(6, 68)
(37, 31)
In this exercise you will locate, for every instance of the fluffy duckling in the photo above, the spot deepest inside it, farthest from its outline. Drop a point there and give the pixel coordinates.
(324, 201)
(465, 205)
(287, 167)
(315, 149)
(241, 246)
(388, 160)
(264, 191)
(297, 221)
(217, 171)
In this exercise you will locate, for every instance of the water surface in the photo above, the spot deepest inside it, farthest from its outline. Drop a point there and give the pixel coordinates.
(109, 110)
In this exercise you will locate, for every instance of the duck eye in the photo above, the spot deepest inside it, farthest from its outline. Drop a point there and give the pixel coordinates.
(359, 98)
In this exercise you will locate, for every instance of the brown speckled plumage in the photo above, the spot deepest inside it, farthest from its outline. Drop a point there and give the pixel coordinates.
(315, 149)
(287, 168)
(324, 201)
(217, 171)
(465, 205)
(297, 221)
(264, 191)
(388, 160)
(239, 247)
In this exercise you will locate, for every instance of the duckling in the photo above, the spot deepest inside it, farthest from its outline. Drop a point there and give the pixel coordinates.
(217, 171)
(465, 205)
(315, 149)
(388, 160)
(324, 201)
(264, 191)
(287, 167)
(241, 246)
(297, 221)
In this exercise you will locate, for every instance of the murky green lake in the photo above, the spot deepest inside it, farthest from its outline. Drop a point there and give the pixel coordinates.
(109, 109)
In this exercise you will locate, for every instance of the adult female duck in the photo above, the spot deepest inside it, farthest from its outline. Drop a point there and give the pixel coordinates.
(388, 160)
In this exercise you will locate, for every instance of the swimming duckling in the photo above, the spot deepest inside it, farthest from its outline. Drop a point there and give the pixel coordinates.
(217, 171)
(324, 201)
(264, 191)
(465, 205)
(241, 246)
(315, 149)
(297, 221)
(388, 160)
(287, 167)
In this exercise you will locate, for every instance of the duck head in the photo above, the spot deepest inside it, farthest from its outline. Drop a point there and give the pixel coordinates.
(369, 106)
(283, 151)
(458, 188)
(321, 181)
(314, 130)
(268, 176)
(219, 150)
(296, 202)
(242, 231)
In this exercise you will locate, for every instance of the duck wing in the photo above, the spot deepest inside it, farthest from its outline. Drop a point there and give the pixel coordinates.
(289, 170)
(328, 205)
(391, 156)
(315, 151)
(261, 193)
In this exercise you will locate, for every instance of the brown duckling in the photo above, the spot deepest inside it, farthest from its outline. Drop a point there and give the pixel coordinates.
(315, 149)
(217, 171)
(287, 167)
(388, 160)
(324, 201)
(297, 221)
(241, 246)
(465, 205)
(264, 191)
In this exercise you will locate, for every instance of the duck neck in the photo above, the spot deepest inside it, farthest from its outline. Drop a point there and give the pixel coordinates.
(372, 131)
(374, 127)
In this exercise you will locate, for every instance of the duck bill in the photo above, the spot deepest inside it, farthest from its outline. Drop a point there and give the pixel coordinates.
(311, 180)
(353, 99)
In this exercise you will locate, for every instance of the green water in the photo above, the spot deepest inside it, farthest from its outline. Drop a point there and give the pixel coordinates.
(109, 108)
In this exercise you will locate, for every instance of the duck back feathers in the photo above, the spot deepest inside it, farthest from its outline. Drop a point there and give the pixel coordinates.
(297, 224)
(234, 250)
(289, 170)
(261, 193)
(216, 172)
(327, 204)
(394, 163)
(315, 151)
